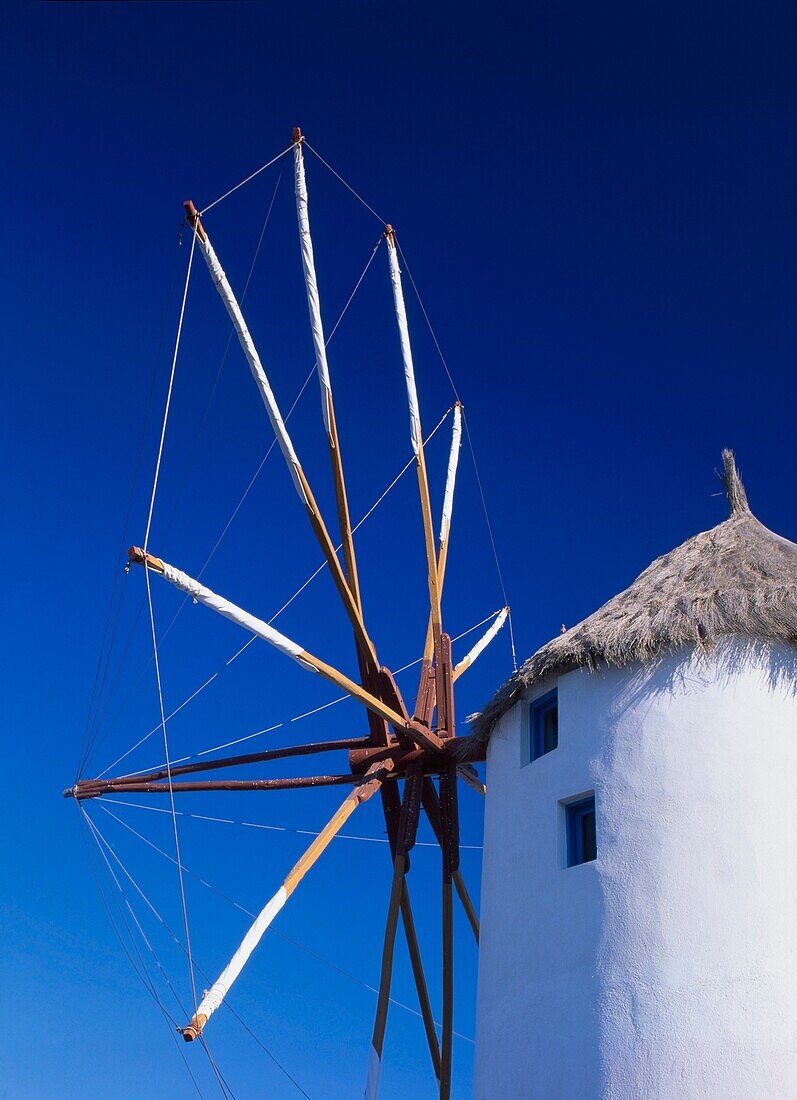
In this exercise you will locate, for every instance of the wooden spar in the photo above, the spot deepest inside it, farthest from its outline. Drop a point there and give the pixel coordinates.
(263, 630)
(399, 758)
(365, 656)
(444, 686)
(286, 445)
(415, 430)
(216, 994)
(445, 524)
(420, 980)
(424, 702)
(450, 848)
(446, 1045)
(449, 844)
(431, 805)
(319, 344)
(467, 904)
(87, 789)
(235, 761)
(408, 824)
(391, 805)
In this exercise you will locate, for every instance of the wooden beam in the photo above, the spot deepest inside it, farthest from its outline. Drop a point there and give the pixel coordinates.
(89, 789)
(444, 687)
(216, 994)
(431, 805)
(236, 761)
(446, 1046)
(408, 824)
(391, 805)
(420, 981)
(450, 849)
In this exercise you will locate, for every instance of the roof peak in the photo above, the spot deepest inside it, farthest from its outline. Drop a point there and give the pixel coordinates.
(737, 579)
(737, 497)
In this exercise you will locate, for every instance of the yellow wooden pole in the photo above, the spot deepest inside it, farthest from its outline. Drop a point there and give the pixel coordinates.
(216, 994)
(415, 431)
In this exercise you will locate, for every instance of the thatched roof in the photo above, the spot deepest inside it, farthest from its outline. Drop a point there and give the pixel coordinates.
(738, 578)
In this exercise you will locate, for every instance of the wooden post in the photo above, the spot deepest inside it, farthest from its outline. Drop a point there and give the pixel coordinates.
(431, 805)
(391, 805)
(408, 824)
(450, 846)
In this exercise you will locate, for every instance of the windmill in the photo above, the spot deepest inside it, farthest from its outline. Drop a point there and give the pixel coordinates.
(410, 759)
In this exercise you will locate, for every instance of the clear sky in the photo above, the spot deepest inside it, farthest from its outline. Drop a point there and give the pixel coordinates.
(596, 202)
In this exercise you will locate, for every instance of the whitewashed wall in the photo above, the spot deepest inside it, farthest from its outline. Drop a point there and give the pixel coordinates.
(668, 967)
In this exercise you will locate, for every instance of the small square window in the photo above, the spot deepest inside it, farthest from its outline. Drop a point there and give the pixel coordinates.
(582, 839)
(544, 733)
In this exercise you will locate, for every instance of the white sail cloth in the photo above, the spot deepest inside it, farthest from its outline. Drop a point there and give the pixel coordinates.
(218, 991)
(234, 613)
(311, 283)
(451, 473)
(406, 350)
(252, 357)
(482, 643)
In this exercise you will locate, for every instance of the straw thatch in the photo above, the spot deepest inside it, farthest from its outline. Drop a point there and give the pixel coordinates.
(738, 578)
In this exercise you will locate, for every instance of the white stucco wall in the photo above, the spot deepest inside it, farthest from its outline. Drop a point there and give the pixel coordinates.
(667, 968)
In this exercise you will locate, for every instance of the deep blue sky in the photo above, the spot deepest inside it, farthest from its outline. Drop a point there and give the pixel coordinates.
(597, 204)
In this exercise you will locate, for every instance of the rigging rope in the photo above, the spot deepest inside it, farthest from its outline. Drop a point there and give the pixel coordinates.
(269, 828)
(274, 441)
(96, 694)
(249, 913)
(222, 1083)
(176, 939)
(348, 186)
(251, 176)
(175, 505)
(472, 455)
(152, 615)
(334, 329)
(276, 614)
(203, 419)
(100, 841)
(143, 977)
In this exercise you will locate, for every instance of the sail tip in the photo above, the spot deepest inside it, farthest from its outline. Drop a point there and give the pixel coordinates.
(137, 556)
(192, 217)
(194, 1029)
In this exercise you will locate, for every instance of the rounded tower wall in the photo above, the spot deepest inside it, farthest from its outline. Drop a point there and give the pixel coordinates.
(666, 967)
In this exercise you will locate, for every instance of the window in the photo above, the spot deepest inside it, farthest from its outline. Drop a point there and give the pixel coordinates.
(582, 840)
(544, 725)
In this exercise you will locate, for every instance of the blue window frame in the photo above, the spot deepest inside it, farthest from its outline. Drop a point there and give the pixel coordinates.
(582, 838)
(544, 732)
